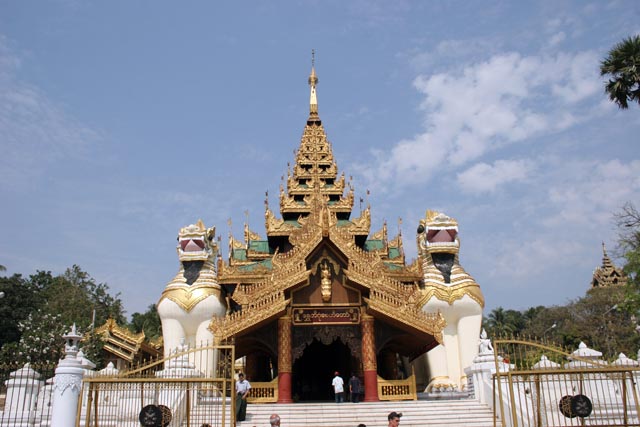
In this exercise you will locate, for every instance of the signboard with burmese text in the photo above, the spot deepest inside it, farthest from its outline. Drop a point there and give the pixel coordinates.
(326, 316)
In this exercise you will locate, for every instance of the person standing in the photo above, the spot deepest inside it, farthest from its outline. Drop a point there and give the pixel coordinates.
(338, 387)
(242, 390)
(354, 388)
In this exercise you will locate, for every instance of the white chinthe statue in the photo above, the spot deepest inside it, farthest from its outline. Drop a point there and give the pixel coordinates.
(193, 297)
(455, 294)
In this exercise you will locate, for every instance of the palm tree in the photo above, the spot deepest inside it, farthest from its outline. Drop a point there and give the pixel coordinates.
(622, 64)
(499, 323)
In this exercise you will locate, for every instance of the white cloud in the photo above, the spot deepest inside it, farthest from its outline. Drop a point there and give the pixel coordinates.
(483, 177)
(590, 192)
(557, 38)
(36, 132)
(531, 254)
(487, 105)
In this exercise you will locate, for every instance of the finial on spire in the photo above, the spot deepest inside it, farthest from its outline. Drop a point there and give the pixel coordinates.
(313, 81)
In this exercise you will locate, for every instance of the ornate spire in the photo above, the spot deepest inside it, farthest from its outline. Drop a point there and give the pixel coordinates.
(313, 81)
(607, 274)
(315, 173)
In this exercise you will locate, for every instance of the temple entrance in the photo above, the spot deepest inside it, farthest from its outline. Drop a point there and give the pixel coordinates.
(313, 371)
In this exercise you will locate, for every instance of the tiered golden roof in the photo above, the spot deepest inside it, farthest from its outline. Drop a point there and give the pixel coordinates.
(608, 274)
(262, 275)
(125, 344)
(315, 173)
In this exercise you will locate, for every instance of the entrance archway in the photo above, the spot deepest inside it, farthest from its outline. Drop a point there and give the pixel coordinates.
(313, 371)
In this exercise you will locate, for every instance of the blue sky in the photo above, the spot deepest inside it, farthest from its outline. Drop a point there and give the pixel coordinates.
(122, 121)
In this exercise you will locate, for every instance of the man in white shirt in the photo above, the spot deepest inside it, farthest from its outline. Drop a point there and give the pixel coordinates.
(338, 387)
(242, 390)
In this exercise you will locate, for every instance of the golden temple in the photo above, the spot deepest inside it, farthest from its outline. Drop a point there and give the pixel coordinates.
(319, 278)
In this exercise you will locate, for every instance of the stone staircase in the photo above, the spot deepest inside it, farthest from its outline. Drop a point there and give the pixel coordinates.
(420, 413)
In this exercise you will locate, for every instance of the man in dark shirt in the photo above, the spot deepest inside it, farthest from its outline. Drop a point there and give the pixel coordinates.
(354, 388)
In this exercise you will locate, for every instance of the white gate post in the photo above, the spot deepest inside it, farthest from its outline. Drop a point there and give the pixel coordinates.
(67, 383)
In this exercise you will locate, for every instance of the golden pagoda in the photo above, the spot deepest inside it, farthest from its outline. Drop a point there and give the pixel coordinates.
(607, 275)
(320, 293)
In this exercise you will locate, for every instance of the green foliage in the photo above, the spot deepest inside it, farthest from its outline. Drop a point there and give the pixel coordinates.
(20, 299)
(40, 340)
(76, 296)
(91, 346)
(36, 312)
(149, 322)
(622, 64)
(597, 319)
(501, 322)
(605, 318)
(628, 223)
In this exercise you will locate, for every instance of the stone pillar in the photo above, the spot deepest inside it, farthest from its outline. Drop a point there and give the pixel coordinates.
(284, 360)
(67, 383)
(369, 364)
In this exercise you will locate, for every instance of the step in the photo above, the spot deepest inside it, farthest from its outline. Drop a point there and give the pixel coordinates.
(467, 412)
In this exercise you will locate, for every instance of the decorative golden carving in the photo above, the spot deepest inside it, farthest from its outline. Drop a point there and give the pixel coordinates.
(123, 343)
(196, 242)
(188, 297)
(263, 392)
(235, 244)
(277, 227)
(608, 274)
(362, 224)
(459, 282)
(250, 235)
(326, 316)
(325, 282)
(251, 315)
(381, 234)
(407, 310)
(284, 344)
(449, 294)
(369, 362)
(397, 389)
(317, 197)
(112, 327)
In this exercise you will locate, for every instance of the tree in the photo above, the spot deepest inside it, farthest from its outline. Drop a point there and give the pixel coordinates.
(78, 298)
(36, 312)
(147, 322)
(20, 299)
(622, 64)
(628, 223)
(40, 341)
(501, 322)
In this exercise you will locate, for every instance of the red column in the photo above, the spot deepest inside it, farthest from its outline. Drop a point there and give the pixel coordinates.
(369, 365)
(284, 360)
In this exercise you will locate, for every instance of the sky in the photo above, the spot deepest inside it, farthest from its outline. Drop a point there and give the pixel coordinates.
(123, 121)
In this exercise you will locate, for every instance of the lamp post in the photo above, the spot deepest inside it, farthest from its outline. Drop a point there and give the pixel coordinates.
(555, 325)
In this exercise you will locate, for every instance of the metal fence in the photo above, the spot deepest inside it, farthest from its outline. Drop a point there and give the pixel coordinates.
(193, 387)
(539, 385)
(25, 393)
